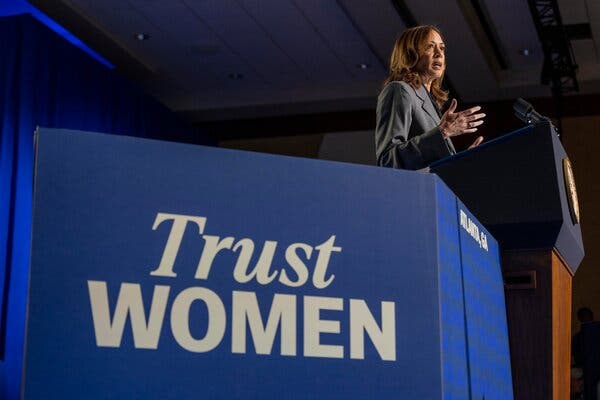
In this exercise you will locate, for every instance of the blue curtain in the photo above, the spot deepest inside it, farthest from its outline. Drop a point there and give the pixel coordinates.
(45, 81)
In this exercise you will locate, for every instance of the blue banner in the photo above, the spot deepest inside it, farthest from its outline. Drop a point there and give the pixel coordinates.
(168, 271)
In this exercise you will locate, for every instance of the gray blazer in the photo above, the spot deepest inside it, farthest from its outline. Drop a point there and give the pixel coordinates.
(407, 134)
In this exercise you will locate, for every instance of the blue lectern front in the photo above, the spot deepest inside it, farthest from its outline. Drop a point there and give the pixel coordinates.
(170, 271)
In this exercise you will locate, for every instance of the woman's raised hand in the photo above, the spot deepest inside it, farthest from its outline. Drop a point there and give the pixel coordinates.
(457, 123)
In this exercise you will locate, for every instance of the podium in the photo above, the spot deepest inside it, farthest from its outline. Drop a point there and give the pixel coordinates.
(169, 271)
(521, 187)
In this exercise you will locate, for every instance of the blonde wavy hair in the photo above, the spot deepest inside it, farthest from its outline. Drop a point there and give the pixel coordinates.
(405, 56)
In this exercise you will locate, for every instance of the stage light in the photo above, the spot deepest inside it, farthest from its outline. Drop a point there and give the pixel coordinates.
(141, 36)
(524, 52)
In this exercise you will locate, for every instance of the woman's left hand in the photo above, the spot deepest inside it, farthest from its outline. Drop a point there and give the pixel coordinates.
(455, 123)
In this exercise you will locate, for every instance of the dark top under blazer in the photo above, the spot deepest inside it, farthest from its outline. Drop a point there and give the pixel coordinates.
(407, 134)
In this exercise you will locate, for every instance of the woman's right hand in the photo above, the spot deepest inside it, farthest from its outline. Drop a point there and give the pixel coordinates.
(456, 123)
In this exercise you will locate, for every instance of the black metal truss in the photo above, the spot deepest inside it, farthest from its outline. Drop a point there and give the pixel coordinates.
(559, 63)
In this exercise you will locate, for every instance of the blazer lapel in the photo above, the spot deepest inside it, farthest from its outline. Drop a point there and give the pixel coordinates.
(429, 109)
(426, 104)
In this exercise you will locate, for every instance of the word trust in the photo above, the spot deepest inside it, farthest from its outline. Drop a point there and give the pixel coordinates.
(320, 335)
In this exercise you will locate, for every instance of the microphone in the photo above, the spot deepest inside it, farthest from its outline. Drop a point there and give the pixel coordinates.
(525, 112)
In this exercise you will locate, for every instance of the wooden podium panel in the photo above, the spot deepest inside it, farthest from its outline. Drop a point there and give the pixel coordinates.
(538, 287)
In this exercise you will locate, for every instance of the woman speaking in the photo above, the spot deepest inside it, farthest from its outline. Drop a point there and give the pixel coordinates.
(411, 133)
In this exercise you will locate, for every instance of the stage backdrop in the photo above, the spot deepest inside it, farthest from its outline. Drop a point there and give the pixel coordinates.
(46, 81)
(169, 271)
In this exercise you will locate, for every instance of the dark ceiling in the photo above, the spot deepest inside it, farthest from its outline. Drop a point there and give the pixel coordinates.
(231, 59)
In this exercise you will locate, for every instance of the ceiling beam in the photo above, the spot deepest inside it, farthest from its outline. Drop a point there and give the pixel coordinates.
(96, 39)
(500, 119)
